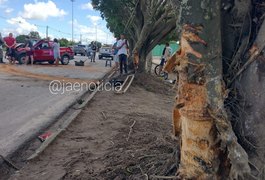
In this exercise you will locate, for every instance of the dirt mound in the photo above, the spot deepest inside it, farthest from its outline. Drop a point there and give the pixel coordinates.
(154, 84)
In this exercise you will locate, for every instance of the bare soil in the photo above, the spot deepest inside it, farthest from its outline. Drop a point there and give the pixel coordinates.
(115, 137)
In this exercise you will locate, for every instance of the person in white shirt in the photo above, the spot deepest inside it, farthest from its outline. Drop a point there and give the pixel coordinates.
(122, 46)
(165, 55)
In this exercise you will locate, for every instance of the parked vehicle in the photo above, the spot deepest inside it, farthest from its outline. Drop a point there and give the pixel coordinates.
(43, 52)
(80, 49)
(105, 51)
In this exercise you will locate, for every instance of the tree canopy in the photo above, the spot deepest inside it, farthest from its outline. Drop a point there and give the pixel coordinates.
(21, 38)
(145, 23)
(34, 34)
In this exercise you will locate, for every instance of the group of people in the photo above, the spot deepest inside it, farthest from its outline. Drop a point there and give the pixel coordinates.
(10, 43)
(121, 54)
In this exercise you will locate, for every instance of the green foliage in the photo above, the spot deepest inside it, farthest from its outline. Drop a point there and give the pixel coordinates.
(173, 36)
(115, 14)
(71, 43)
(98, 44)
(34, 34)
(64, 42)
(21, 38)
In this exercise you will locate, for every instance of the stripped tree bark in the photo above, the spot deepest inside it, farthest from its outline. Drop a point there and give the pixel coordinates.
(209, 147)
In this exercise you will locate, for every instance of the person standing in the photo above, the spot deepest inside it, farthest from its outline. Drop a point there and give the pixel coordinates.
(94, 51)
(115, 54)
(10, 43)
(165, 55)
(29, 48)
(122, 46)
(56, 51)
(1, 49)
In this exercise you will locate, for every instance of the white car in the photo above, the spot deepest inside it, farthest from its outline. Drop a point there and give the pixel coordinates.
(105, 52)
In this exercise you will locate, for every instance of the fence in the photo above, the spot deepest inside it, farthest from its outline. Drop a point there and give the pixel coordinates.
(158, 50)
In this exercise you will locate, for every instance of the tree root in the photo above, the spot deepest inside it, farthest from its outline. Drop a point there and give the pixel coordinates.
(163, 177)
(131, 129)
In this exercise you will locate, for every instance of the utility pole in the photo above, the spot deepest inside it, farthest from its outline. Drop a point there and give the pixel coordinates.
(81, 38)
(72, 20)
(106, 38)
(96, 32)
(47, 32)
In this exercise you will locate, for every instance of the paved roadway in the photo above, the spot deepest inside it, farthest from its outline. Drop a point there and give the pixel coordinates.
(26, 103)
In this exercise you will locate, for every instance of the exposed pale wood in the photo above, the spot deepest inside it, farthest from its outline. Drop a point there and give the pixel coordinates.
(126, 84)
(205, 136)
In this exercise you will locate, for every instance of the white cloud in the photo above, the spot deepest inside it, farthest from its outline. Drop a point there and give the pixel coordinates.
(94, 19)
(42, 10)
(9, 10)
(2, 1)
(89, 33)
(22, 26)
(87, 6)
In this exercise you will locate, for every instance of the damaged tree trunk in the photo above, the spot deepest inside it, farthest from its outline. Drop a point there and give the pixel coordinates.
(209, 147)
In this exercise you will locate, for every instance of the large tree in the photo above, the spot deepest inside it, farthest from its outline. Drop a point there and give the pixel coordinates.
(146, 23)
(218, 115)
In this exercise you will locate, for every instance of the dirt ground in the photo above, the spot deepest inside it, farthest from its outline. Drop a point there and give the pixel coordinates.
(100, 145)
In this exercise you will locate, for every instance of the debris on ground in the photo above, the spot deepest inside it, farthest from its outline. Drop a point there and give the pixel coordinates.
(44, 136)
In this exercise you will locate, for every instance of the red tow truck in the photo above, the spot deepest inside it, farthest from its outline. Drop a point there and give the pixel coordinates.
(43, 52)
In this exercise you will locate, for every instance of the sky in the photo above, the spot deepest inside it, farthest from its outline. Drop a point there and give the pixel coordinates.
(23, 16)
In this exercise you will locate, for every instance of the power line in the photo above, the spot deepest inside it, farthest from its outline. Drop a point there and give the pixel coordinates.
(37, 25)
(48, 28)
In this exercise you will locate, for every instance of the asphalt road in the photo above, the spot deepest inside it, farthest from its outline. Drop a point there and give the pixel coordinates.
(27, 104)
